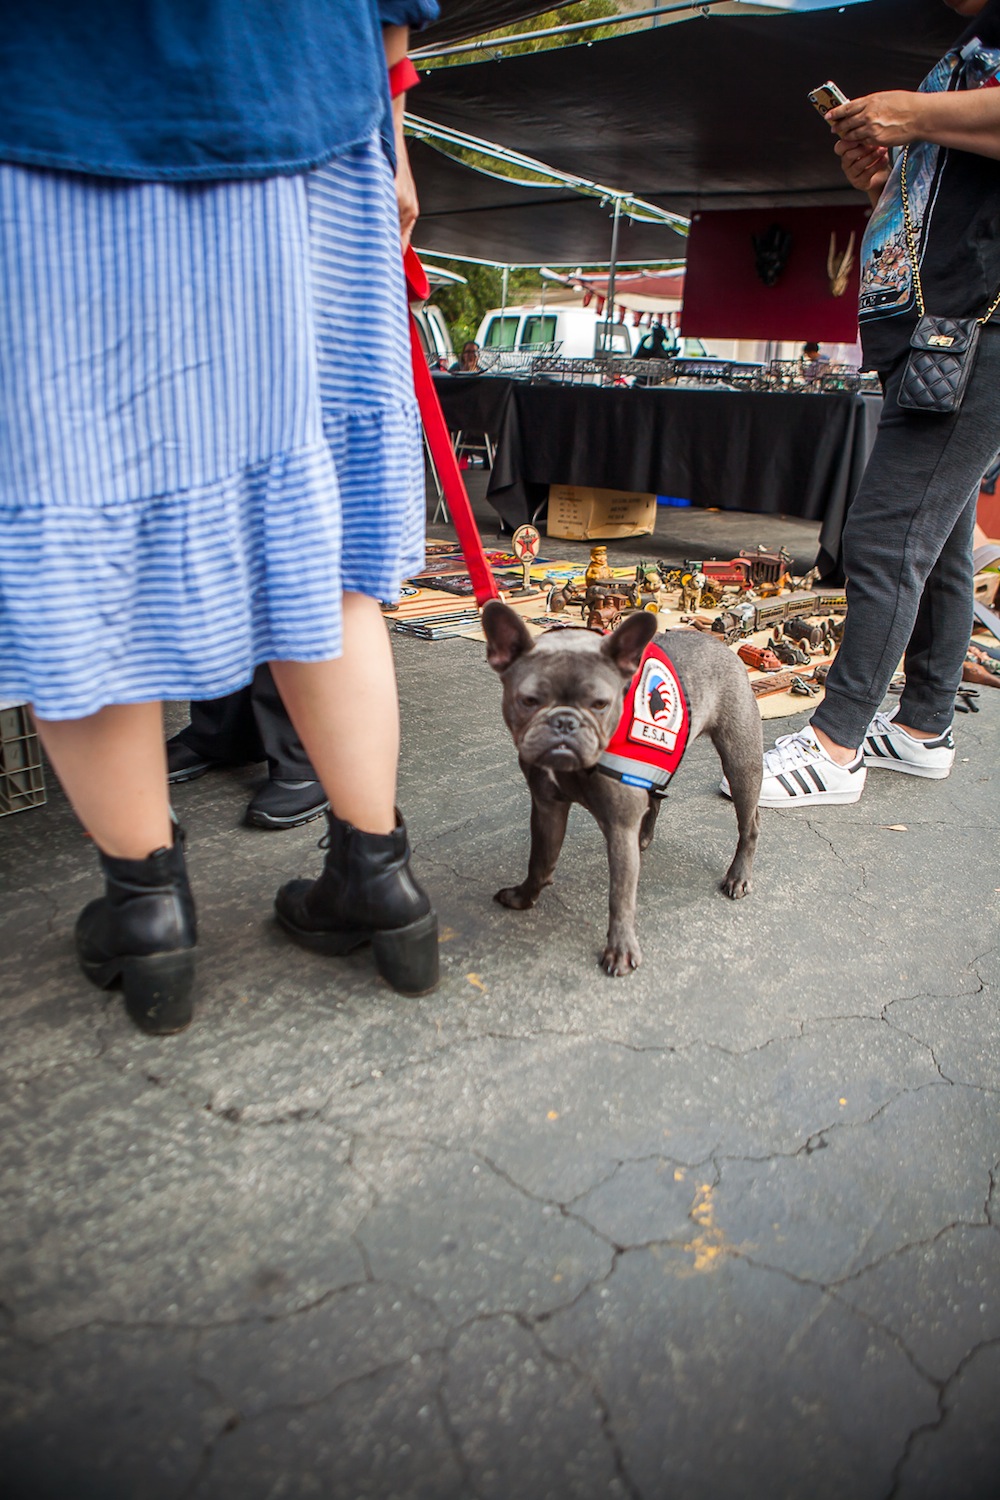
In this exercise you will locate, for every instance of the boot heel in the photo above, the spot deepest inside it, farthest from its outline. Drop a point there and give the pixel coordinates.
(407, 957)
(157, 990)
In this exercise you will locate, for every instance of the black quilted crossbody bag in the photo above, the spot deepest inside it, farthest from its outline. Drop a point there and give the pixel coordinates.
(942, 350)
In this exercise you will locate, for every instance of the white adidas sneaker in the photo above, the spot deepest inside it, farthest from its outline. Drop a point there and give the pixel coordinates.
(799, 773)
(892, 749)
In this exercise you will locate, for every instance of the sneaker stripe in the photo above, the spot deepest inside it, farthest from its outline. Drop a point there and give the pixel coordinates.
(872, 744)
(890, 747)
(820, 783)
(783, 781)
(803, 783)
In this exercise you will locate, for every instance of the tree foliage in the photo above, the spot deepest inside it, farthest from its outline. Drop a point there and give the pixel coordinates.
(463, 306)
(505, 36)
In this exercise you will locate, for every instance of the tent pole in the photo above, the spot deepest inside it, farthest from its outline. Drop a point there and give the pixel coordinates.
(496, 44)
(503, 304)
(609, 306)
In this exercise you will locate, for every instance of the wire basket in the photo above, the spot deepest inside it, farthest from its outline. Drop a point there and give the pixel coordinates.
(22, 780)
(549, 369)
(519, 361)
(705, 373)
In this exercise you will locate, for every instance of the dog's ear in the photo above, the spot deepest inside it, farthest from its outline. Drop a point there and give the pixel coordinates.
(626, 644)
(507, 636)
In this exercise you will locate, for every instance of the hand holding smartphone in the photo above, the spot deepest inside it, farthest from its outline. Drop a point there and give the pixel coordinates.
(827, 96)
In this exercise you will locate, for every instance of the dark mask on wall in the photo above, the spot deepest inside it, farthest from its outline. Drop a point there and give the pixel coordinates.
(771, 250)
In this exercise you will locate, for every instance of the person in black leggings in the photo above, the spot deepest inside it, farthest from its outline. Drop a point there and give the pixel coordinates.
(908, 537)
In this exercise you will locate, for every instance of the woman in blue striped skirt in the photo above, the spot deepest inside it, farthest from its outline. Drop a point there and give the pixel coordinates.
(207, 459)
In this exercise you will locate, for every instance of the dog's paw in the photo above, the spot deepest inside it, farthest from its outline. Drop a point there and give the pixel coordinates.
(736, 886)
(619, 959)
(517, 897)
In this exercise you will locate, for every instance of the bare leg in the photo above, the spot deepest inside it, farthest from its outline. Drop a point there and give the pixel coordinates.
(113, 768)
(347, 715)
(346, 712)
(841, 755)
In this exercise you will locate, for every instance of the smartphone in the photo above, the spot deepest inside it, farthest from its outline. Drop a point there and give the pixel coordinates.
(827, 96)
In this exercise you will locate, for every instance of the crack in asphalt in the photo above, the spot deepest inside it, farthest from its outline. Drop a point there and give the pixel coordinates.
(237, 1419)
(448, 1426)
(943, 1387)
(588, 1377)
(229, 1424)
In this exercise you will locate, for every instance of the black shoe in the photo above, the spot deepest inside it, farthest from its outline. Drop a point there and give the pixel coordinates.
(141, 934)
(286, 804)
(366, 894)
(184, 764)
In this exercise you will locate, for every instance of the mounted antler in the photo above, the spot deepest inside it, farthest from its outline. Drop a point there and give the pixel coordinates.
(838, 268)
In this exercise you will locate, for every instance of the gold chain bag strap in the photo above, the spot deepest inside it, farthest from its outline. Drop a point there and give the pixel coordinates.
(942, 350)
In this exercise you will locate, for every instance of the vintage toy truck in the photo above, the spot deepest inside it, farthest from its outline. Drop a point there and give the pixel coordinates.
(759, 657)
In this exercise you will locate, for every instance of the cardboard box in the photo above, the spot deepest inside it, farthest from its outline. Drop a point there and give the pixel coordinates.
(579, 512)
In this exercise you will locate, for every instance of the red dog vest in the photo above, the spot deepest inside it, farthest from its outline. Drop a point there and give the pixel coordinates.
(652, 735)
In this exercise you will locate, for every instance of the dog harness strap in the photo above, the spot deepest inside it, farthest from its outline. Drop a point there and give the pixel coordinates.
(652, 734)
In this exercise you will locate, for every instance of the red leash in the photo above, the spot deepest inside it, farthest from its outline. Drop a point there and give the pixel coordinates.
(402, 76)
(443, 454)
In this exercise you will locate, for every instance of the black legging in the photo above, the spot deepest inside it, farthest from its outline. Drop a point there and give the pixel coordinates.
(908, 557)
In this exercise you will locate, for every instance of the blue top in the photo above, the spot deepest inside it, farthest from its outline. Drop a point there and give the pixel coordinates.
(183, 90)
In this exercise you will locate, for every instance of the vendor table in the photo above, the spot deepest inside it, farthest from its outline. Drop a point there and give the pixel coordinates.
(789, 454)
(474, 403)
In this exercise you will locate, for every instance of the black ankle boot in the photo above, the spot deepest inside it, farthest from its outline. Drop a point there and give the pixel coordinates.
(366, 894)
(141, 934)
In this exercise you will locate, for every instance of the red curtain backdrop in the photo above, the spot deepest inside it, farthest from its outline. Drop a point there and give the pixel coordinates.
(725, 298)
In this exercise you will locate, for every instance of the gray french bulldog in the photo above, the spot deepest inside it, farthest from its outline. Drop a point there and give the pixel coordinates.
(562, 699)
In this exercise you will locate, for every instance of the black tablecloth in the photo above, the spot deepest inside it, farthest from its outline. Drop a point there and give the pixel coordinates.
(794, 455)
(474, 403)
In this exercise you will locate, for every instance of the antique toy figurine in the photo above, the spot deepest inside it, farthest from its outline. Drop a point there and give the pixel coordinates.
(561, 595)
(598, 570)
(649, 585)
(692, 588)
(605, 611)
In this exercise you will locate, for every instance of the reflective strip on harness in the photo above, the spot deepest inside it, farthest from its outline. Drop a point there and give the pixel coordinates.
(652, 735)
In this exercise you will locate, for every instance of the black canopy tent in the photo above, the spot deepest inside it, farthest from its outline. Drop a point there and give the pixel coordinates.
(464, 212)
(460, 19)
(708, 113)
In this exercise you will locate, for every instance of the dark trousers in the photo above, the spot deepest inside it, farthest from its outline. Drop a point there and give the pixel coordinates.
(249, 725)
(908, 557)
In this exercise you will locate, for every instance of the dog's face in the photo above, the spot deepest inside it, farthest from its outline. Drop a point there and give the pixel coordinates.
(563, 690)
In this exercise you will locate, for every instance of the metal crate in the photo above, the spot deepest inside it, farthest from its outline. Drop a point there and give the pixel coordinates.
(516, 362)
(549, 369)
(22, 780)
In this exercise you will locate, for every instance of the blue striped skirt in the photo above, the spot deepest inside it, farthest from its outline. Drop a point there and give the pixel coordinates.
(207, 427)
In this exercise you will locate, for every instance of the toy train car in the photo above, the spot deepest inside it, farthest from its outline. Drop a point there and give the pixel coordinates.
(734, 574)
(750, 615)
(829, 601)
(750, 570)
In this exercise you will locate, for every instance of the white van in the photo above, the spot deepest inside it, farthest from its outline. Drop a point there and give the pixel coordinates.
(570, 332)
(434, 336)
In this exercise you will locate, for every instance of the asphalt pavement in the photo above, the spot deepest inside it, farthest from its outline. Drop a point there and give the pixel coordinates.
(727, 1228)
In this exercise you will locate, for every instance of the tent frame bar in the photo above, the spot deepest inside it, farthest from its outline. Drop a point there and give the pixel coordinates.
(697, 7)
(583, 268)
(635, 208)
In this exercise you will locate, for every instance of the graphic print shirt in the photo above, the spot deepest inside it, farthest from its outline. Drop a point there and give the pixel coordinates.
(955, 208)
